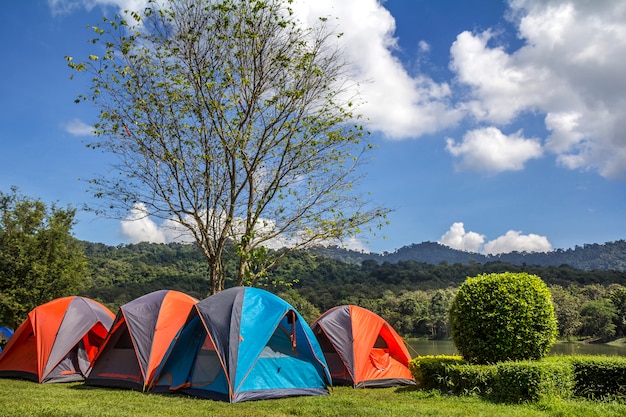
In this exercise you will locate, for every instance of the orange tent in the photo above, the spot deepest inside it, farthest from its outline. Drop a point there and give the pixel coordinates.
(57, 341)
(362, 349)
(138, 340)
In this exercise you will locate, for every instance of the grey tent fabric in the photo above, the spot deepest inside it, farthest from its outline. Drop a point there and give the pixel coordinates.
(142, 332)
(362, 349)
(141, 316)
(57, 341)
(80, 316)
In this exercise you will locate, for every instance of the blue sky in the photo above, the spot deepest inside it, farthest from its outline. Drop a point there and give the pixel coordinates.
(499, 125)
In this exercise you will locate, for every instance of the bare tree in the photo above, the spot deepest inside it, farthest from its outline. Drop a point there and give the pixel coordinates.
(232, 119)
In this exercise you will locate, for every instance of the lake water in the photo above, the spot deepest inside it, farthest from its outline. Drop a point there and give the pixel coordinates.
(446, 347)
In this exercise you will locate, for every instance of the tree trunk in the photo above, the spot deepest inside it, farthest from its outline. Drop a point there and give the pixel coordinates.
(244, 268)
(217, 276)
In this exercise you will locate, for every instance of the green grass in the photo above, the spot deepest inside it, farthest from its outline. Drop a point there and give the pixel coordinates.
(25, 399)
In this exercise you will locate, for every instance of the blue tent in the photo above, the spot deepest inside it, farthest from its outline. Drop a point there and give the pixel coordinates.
(244, 344)
(5, 335)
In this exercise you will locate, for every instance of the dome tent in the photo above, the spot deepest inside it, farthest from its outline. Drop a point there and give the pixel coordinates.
(5, 335)
(139, 337)
(362, 349)
(244, 344)
(57, 341)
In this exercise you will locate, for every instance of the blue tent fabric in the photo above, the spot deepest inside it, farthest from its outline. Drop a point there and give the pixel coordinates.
(5, 335)
(244, 344)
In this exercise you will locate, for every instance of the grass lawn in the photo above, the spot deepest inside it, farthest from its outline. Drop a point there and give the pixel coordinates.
(23, 399)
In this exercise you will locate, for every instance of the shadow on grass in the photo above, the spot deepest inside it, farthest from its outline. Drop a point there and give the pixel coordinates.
(408, 388)
(85, 387)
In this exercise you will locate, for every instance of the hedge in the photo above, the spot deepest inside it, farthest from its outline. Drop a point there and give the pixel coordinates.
(524, 381)
(599, 376)
(532, 381)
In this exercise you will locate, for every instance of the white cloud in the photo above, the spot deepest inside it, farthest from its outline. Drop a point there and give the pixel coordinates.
(512, 241)
(490, 150)
(457, 238)
(564, 127)
(501, 86)
(394, 102)
(138, 227)
(77, 127)
(68, 6)
(570, 69)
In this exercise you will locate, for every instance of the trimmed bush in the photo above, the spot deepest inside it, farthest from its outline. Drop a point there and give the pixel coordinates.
(594, 377)
(532, 381)
(472, 379)
(431, 372)
(599, 376)
(452, 374)
(511, 382)
(500, 317)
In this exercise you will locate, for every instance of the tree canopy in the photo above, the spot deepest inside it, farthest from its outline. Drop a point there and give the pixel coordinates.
(39, 258)
(231, 120)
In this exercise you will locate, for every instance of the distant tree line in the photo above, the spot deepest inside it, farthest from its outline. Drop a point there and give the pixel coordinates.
(40, 260)
(414, 297)
(607, 256)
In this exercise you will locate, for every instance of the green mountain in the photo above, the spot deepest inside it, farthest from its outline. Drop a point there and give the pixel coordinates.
(608, 256)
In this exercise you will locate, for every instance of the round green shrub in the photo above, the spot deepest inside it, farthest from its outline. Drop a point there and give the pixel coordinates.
(498, 317)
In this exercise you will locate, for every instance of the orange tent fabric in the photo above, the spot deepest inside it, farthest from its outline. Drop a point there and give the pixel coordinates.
(57, 341)
(362, 349)
(139, 338)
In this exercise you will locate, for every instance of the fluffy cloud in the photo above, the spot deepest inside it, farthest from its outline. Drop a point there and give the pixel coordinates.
(488, 149)
(457, 238)
(77, 127)
(139, 227)
(512, 241)
(501, 86)
(68, 6)
(570, 69)
(394, 102)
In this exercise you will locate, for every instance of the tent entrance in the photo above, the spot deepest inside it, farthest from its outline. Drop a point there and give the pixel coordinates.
(119, 363)
(194, 366)
(379, 355)
(281, 344)
(338, 370)
(284, 364)
(206, 367)
(73, 367)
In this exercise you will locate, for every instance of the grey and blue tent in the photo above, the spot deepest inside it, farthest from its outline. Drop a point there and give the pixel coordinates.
(244, 344)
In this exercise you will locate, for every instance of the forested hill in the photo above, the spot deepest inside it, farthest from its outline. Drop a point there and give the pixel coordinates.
(414, 297)
(118, 274)
(608, 256)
